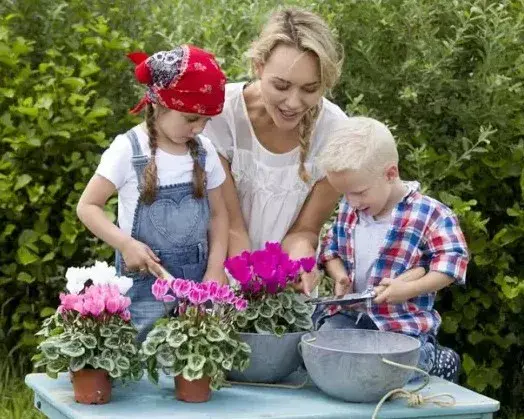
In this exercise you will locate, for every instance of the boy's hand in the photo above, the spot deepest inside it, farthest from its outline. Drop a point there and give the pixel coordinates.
(343, 286)
(216, 275)
(393, 291)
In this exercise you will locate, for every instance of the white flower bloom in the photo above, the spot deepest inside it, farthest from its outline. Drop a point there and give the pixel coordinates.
(76, 277)
(100, 273)
(123, 283)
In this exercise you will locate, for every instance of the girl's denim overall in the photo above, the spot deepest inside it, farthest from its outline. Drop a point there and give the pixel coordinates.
(175, 227)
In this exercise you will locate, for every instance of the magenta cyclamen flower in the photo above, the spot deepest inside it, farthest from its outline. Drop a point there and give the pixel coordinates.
(268, 270)
(308, 263)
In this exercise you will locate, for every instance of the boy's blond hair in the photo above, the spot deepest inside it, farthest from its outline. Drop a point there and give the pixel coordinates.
(358, 143)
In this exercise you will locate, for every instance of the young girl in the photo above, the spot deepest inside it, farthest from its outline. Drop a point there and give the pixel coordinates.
(171, 213)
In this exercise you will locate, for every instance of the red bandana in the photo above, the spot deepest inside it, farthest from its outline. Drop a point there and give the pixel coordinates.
(186, 79)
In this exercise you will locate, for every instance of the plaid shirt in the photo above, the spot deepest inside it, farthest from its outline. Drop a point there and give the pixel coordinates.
(423, 232)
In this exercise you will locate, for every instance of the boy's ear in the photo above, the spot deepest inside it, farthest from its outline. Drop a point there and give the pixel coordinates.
(391, 172)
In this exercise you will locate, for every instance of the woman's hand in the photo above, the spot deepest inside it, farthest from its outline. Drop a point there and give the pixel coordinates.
(217, 275)
(308, 281)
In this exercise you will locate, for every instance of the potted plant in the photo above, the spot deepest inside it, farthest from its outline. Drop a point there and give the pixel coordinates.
(91, 335)
(276, 316)
(196, 341)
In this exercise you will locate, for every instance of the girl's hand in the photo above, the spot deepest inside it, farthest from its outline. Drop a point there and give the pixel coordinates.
(216, 275)
(139, 257)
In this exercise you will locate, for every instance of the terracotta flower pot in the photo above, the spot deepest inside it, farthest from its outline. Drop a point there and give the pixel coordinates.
(91, 386)
(196, 391)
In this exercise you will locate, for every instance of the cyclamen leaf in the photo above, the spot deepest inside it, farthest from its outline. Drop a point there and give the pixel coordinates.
(165, 358)
(192, 375)
(274, 303)
(106, 364)
(215, 334)
(196, 362)
(266, 311)
(304, 323)
(175, 341)
(148, 348)
(105, 332)
(88, 341)
(227, 364)
(73, 349)
(210, 368)
(113, 342)
(182, 352)
(216, 354)
(123, 363)
(56, 366)
(289, 317)
(115, 373)
(76, 364)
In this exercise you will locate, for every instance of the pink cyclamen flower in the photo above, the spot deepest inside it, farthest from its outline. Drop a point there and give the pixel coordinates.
(113, 305)
(160, 288)
(68, 301)
(196, 296)
(181, 287)
(125, 315)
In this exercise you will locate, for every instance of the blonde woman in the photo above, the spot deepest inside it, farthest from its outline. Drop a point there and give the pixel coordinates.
(270, 133)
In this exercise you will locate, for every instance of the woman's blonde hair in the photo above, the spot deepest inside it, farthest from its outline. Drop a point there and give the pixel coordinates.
(307, 32)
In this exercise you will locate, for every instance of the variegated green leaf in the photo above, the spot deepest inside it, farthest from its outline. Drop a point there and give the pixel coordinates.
(73, 349)
(176, 340)
(196, 362)
(76, 364)
(215, 334)
(192, 375)
(88, 341)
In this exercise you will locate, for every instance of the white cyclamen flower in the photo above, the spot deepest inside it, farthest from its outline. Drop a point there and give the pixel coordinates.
(76, 278)
(101, 273)
(123, 283)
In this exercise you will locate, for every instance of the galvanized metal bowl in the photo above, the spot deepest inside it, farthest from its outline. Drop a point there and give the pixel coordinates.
(273, 358)
(347, 363)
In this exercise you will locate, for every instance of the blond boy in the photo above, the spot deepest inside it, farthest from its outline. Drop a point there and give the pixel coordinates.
(385, 227)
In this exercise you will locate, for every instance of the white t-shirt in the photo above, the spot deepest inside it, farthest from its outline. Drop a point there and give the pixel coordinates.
(370, 234)
(115, 165)
(270, 190)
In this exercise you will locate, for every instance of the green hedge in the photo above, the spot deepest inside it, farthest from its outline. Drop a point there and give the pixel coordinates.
(447, 75)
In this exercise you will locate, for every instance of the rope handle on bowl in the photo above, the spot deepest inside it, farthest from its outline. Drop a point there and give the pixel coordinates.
(414, 399)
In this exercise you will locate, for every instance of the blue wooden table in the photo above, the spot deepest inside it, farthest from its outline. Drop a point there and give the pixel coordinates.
(145, 400)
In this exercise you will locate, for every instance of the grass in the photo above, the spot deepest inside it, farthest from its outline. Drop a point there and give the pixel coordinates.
(16, 399)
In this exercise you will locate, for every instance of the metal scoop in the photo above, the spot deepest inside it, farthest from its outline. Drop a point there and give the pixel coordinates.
(352, 298)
